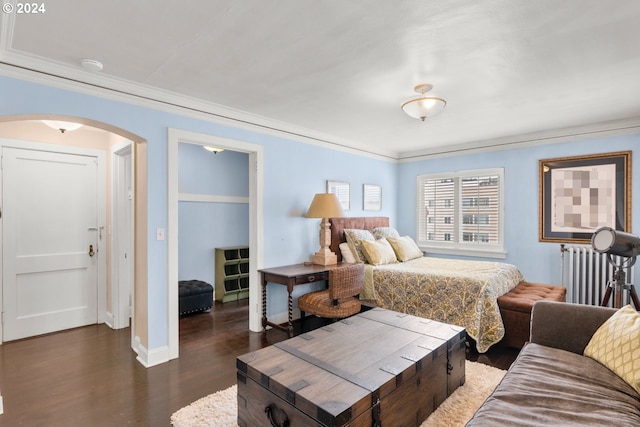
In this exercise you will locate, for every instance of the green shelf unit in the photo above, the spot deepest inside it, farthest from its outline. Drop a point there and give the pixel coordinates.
(232, 273)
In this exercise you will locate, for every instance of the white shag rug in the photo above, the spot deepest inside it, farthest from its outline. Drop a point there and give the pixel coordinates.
(220, 409)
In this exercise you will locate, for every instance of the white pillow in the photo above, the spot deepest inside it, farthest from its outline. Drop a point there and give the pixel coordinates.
(347, 255)
(384, 232)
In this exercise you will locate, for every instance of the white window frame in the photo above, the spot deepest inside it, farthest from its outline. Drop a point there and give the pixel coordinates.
(455, 247)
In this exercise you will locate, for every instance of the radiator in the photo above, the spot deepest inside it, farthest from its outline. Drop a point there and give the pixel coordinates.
(586, 274)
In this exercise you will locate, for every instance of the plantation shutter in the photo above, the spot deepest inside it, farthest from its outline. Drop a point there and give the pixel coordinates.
(480, 221)
(461, 211)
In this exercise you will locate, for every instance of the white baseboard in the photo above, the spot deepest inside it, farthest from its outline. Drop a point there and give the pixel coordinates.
(153, 357)
(108, 319)
(1, 406)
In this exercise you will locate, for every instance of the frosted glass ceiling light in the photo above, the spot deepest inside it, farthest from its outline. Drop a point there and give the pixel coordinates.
(214, 150)
(61, 125)
(423, 107)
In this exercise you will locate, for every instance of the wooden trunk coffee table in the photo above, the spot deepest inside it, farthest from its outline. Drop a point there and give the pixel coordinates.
(378, 368)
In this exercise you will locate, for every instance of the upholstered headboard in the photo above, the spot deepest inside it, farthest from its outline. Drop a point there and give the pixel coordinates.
(338, 225)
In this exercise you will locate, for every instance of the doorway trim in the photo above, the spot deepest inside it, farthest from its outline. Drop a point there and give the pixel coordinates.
(121, 306)
(256, 215)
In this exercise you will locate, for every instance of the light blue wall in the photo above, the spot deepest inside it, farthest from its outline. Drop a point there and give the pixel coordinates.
(293, 172)
(221, 174)
(204, 226)
(538, 261)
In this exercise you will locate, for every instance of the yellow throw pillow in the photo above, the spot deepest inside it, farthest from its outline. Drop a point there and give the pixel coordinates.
(405, 248)
(616, 345)
(378, 252)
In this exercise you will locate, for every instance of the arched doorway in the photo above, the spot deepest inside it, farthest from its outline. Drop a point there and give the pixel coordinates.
(28, 128)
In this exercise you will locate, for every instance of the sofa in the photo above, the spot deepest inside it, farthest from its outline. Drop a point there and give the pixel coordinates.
(551, 382)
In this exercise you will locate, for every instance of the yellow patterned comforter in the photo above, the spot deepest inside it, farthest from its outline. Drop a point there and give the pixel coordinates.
(457, 292)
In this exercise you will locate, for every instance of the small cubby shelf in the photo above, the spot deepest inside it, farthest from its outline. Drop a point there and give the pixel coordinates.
(232, 273)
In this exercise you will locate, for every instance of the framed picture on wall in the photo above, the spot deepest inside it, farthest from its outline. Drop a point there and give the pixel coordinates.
(578, 195)
(342, 190)
(371, 197)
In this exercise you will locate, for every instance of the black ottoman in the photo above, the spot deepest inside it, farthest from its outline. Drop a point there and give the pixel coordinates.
(194, 296)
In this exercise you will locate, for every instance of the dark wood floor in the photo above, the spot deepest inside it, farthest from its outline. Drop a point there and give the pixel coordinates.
(90, 377)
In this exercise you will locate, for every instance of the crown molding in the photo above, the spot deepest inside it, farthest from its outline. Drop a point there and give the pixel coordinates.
(62, 76)
(34, 69)
(595, 130)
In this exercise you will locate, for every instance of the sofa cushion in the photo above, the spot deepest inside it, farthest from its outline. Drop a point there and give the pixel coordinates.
(548, 386)
(616, 344)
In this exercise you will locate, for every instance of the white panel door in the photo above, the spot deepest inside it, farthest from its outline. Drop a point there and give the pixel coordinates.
(50, 276)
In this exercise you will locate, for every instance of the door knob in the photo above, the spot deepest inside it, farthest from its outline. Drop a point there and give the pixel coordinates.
(91, 252)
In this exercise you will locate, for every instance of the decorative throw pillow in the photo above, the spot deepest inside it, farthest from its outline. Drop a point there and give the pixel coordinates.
(354, 237)
(616, 345)
(347, 255)
(384, 232)
(405, 248)
(378, 252)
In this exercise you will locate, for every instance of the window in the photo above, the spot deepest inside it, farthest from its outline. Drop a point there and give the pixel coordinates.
(461, 212)
(476, 219)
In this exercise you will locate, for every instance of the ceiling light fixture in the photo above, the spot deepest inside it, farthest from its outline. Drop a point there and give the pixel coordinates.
(91, 64)
(214, 150)
(423, 107)
(62, 126)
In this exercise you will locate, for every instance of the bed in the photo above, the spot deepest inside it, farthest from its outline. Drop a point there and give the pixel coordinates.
(458, 292)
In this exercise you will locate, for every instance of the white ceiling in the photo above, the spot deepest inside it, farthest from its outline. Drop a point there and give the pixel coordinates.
(337, 71)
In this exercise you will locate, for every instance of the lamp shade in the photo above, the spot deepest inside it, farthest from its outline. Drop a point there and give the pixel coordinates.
(325, 205)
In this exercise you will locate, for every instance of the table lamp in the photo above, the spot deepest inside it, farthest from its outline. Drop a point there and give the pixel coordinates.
(325, 206)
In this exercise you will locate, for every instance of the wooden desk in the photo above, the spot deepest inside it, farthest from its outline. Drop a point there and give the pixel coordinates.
(290, 275)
